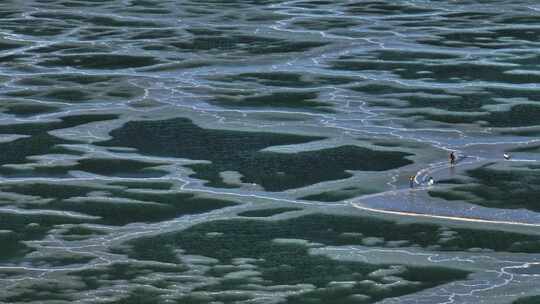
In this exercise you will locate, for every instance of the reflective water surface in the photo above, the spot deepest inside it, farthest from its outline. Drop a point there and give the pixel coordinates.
(162, 151)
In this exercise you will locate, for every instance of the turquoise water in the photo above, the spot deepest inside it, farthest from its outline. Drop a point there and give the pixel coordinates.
(260, 151)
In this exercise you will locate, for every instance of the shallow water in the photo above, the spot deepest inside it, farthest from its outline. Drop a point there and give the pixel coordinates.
(233, 151)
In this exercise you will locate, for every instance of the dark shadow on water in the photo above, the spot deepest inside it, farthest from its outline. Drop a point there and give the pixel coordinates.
(241, 151)
(497, 188)
(290, 263)
(111, 207)
(338, 195)
(101, 166)
(334, 230)
(25, 227)
(266, 212)
(528, 300)
(40, 141)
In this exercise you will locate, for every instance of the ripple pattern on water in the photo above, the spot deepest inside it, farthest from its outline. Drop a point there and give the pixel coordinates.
(260, 151)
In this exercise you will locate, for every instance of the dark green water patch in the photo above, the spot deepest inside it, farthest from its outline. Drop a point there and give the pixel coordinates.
(67, 95)
(521, 19)
(77, 4)
(95, 20)
(216, 4)
(13, 59)
(46, 291)
(415, 278)
(311, 4)
(402, 55)
(26, 227)
(445, 72)
(154, 34)
(109, 167)
(469, 15)
(118, 213)
(112, 22)
(251, 44)
(12, 245)
(381, 88)
(282, 171)
(119, 167)
(224, 297)
(513, 92)
(146, 3)
(40, 141)
(528, 132)
(67, 47)
(465, 21)
(176, 204)
(305, 100)
(283, 79)
(9, 12)
(100, 61)
(140, 296)
(323, 24)
(41, 171)
(528, 300)
(384, 8)
(472, 102)
(48, 190)
(144, 185)
(105, 276)
(22, 109)
(4, 45)
(94, 33)
(80, 233)
(486, 39)
(273, 79)
(237, 238)
(60, 260)
(290, 264)
(75, 88)
(266, 212)
(527, 149)
(521, 115)
(82, 79)
(241, 151)
(62, 123)
(267, 16)
(338, 195)
(35, 81)
(202, 31)
(111, 205)
(510, 188)
(34, 27)
(150, 11)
